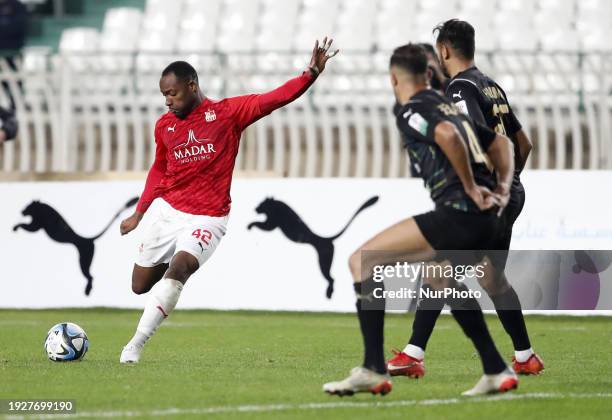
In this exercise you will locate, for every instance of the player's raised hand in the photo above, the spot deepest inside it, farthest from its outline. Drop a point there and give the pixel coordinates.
(320, 55)
(129, 224)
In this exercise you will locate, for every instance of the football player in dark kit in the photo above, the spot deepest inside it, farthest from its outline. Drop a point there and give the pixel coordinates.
(478, 96)
(455, 158)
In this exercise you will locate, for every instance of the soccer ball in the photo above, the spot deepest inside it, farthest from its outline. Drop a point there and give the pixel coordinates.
(66, 342)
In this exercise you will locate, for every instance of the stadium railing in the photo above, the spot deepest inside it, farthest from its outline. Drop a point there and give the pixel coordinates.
(80, 113)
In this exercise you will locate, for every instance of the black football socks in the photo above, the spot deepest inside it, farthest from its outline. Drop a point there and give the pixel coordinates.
(371, 314)
(508, 309)
(425, 318)
(468, 314)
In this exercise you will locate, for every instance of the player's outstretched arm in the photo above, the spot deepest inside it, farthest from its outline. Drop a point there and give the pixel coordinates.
(294, 88)
(250, 108)
(452, 144)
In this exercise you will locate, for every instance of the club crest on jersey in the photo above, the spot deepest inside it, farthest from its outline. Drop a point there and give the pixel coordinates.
(210, 115)
(193, 149)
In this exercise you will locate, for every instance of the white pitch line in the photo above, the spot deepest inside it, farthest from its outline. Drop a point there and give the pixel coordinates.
(312, 406)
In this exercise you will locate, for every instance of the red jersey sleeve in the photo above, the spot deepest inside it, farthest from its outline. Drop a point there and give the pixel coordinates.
(249, 108)
(156, 173)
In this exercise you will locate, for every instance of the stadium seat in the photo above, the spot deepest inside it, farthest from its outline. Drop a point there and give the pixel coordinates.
(237, 32)
(518, 39)
(558, 7)
(119, 35)
(560, 39)
(158, 41)
(400, 6)
(198, 15)
(471, 7)
(356, 14)
(527, 7)
(162, 15)
(35, 59)
(198, 26)
(597, 40)
(541, 23)
(276, 25)
(594, 16)
(77, 45)
(122, 19)
(447, 7)
(79, 40)
(195, 41)
(316, 20)
(391, 29)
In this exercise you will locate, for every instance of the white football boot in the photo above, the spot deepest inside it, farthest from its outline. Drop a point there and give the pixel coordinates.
(493, 384)
(130, 354)
(360, 380)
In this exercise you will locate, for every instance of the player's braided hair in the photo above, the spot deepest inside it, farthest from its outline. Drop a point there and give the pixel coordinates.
(411, 58)
(458, 34)
(182, 70)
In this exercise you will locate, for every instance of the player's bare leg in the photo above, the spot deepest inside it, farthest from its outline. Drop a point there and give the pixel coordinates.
(144, 278)
(163, 297)
(400, 242)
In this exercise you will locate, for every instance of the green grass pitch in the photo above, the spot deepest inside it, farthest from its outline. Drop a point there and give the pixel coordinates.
(255, 365)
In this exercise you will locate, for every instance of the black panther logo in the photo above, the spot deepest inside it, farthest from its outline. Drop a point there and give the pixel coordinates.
(280, 215)
(46, 217)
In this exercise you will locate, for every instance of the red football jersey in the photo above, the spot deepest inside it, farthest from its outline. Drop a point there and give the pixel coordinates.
(195, 156)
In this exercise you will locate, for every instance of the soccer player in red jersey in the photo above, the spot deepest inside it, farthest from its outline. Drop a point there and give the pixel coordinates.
(197, 142)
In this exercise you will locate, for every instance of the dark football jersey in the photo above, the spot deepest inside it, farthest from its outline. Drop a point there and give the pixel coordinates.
(478, 96)
(417, 121)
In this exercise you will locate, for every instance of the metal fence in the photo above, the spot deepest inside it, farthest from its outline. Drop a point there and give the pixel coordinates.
(97, 113)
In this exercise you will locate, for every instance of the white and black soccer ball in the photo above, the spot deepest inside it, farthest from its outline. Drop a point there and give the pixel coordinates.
(66, 342)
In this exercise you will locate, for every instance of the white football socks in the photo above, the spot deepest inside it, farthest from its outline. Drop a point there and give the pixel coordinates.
(414, 351)
(522, 356)
(161, 301)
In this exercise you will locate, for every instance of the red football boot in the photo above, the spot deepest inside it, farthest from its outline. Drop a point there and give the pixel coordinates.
(533, 365)
(402, 364)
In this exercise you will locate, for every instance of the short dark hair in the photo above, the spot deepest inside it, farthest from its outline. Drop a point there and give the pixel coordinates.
(410, 57)
(459, 34)
(182, 70)
(428, 47)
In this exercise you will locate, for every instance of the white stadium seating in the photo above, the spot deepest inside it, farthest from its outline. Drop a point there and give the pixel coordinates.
(553, 58)
(264, 26)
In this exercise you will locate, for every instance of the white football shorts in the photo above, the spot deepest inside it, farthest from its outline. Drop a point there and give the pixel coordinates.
(172, 231)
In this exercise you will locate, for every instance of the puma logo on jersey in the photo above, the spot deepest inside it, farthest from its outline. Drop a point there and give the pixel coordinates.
(457, 95)
(172, 128)
(210, 115)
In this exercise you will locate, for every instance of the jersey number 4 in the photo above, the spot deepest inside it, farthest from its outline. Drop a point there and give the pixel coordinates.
(475, 149)
(499, 111)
